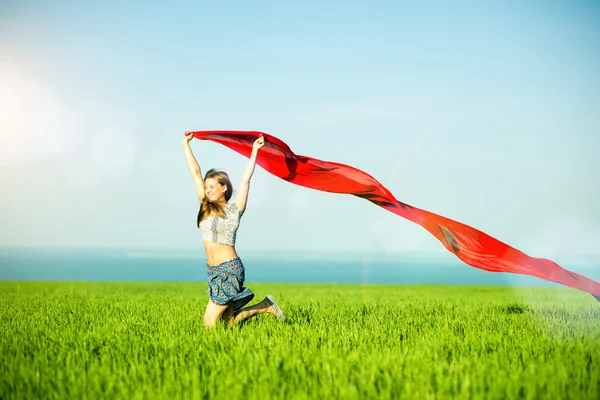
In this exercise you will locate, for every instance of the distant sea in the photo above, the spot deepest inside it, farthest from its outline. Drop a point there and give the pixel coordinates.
(37, 264)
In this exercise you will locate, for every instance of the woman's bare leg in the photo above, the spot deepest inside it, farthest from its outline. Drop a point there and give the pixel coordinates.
(268, 305)
(213, 313)
(251, 311)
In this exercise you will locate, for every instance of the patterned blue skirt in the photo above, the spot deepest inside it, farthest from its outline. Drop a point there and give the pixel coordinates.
(226, 284)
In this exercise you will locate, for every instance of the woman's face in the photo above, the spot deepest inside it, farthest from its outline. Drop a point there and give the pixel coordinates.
(214, 190)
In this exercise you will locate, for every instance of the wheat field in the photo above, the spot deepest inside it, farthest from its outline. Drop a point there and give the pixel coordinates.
(83, 340)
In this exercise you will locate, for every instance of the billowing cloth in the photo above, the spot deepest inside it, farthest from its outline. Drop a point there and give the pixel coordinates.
(470, 245)
(226, 284)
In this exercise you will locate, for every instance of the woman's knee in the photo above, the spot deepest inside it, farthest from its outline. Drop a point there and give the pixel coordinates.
(210, 319)
(228, 315)
(213, 313)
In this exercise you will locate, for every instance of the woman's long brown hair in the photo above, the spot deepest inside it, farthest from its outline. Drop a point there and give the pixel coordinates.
(209, 208)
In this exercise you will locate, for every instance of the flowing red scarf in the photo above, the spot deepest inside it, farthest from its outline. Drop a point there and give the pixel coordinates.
(470, 245)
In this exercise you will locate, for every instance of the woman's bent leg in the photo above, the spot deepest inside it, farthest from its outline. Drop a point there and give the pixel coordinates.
(251, 311)
(213, 313)
(268, 305)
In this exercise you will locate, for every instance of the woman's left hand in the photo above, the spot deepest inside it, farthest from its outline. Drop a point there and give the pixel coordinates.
(187, 137)
(258, 143)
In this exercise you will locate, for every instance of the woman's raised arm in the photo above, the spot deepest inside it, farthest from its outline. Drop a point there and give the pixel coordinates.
(242, 194)
(193, 165)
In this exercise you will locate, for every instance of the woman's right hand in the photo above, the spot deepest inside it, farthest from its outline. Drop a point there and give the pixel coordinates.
(188, 136)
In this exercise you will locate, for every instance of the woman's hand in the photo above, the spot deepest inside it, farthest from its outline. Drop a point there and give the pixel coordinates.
(258, 143)
(188, 136)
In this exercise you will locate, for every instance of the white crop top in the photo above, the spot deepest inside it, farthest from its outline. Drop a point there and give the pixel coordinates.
(222, 229)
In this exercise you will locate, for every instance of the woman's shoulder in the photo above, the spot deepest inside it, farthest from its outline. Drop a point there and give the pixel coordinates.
(232, 206)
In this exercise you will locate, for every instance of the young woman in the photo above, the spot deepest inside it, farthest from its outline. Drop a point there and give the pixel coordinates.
(218, 221)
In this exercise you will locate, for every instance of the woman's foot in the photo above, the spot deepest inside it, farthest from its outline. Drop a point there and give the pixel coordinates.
(276, 311)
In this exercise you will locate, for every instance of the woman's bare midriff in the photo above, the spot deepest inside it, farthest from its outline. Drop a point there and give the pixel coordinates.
(217, 253)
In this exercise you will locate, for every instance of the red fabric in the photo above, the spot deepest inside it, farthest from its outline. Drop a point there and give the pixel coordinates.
(472, 246)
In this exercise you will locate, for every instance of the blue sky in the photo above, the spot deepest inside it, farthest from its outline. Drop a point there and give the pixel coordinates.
(484, 112)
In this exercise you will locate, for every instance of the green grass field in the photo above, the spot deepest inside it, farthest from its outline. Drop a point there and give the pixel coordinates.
(147, 341)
